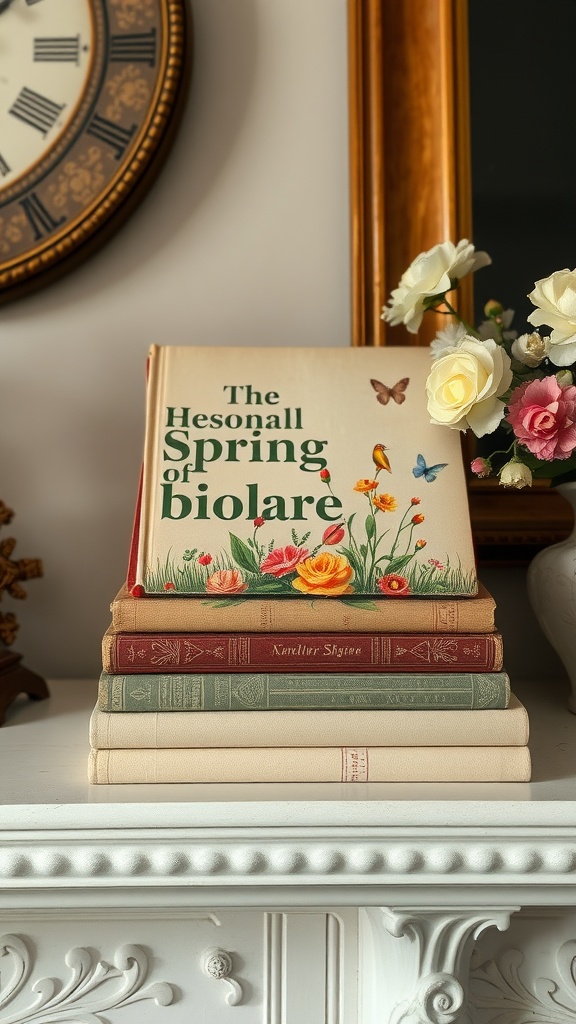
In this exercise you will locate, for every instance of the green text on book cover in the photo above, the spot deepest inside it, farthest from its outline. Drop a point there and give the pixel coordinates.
(298, 471)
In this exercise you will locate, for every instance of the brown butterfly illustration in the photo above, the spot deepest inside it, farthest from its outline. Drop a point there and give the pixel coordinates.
(384, 393)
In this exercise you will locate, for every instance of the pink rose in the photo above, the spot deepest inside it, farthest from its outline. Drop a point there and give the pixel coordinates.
(226, 581)
(481, 467)
(543, 415)
(281, 561)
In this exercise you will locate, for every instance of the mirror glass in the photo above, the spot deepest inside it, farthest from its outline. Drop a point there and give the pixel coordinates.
(523, 145)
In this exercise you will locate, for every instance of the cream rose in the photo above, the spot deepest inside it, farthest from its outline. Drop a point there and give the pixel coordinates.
(530, 349)
(515, 474)
(465, 384)
(555, 299)
(432, 273)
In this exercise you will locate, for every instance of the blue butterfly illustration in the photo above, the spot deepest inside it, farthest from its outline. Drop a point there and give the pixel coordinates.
(428, 472)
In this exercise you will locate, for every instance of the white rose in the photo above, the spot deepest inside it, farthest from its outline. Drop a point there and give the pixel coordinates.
(449, 337)
(555, 297)
(515, 474)
(434, 272)
(530, 349)
(465, 384)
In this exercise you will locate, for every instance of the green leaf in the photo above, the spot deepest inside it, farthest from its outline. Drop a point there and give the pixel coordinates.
(354, 602)
(262, 586)
(242, 555)
(224, 602)
(399, 563)
(350, 554)
(370, 526)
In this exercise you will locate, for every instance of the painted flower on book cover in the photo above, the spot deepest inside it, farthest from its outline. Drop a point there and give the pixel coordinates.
(377, 551)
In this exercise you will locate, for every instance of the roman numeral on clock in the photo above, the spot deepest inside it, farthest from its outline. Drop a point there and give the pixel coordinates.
(40, 220)
(64, 49)
(112, 134)
(36, 110)
(138, 47)
(4, 167)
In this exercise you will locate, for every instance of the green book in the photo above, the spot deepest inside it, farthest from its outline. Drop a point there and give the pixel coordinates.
(313, 691)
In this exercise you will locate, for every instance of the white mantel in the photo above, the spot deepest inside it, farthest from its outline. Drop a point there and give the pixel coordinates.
(297, 877)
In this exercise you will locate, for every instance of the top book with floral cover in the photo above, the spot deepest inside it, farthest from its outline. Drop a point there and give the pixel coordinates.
(311, 472)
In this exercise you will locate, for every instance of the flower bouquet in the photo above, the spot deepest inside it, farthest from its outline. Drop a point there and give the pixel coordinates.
(488, 378)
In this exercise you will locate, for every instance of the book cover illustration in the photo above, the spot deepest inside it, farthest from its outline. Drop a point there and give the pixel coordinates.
(298, 472)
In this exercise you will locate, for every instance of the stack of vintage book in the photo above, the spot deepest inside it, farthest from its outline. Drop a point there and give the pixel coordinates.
(343, 656)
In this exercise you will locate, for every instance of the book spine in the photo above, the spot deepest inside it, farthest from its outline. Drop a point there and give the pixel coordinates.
(281, 652)
(285, 615)
(312, 729)
(311, 764)
(314, 691)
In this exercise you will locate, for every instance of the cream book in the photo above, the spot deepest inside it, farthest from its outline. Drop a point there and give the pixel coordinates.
(298, 472)
(310, 728)
(310, 764)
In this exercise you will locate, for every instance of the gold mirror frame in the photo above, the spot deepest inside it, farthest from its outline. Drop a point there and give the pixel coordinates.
(410, 188)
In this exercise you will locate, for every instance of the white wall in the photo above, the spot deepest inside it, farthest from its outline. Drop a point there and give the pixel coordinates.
(242, 240)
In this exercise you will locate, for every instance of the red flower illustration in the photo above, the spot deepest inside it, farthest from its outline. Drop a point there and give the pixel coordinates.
(205, 559)
(169, 586)
(259, 521)
(393, 585)
(333, 534)
(419, 518)
(325, 475)
(281, 561)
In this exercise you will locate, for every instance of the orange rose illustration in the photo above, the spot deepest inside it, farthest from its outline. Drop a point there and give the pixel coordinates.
(226, 581)
(385, 502)
(326, 574)
(365, 485)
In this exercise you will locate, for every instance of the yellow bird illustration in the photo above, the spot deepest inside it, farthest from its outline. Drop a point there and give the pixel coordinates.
(381, 460)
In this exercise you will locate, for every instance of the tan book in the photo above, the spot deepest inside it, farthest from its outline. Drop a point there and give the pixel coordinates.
(310, 764)
(164, 729)
(301, 472)
(285, 615)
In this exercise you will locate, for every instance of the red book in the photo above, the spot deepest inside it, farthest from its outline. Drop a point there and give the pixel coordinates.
(294, 652)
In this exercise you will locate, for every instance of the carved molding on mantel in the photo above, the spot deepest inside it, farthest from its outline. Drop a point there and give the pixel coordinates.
(217, 964)
(429, 983)
(499, 985)
(86, 994)
(32, 860)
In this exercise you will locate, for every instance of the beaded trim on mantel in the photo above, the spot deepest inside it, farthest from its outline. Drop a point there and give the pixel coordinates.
(150, 858)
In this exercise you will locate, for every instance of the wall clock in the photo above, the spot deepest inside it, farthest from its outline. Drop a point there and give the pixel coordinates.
(90, 92)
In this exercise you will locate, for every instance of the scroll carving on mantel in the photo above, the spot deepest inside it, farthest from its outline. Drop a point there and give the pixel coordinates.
(433, 968)
(498, 986)
(217, 964)
(93, 987)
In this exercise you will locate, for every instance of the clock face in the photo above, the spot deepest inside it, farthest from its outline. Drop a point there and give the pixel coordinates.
(88, 89)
